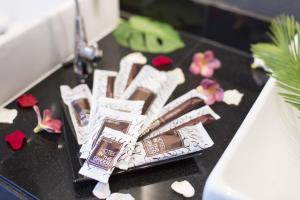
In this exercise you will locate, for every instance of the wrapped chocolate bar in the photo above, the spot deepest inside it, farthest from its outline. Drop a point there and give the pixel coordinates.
(122, 105)
(176, 142)
(103, 85)
(127, 123)
(78, 101)
(104, 155)
(153, 87)
(201, 115)
(178, 107)
(130, 66)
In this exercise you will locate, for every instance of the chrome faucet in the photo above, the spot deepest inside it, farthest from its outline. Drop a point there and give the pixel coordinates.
(85, 55)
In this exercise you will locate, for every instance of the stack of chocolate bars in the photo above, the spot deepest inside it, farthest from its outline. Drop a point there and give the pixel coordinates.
(125, 123)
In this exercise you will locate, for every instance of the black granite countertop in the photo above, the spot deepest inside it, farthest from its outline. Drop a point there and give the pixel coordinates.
(42, 166)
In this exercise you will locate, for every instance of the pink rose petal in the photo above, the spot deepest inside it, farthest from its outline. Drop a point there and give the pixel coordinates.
(160, 62)
(27, 100)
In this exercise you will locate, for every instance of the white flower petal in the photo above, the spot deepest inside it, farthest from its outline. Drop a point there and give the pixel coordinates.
(8, 115)
(101, 190)
(232, 97)
(120, 196)
(259, 63)
(136, 57)
(184, 188)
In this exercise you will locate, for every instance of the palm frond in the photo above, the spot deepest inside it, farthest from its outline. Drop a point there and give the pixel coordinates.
(282, 57)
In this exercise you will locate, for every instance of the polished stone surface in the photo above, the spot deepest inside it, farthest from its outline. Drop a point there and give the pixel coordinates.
(42, 166)
(208, 18)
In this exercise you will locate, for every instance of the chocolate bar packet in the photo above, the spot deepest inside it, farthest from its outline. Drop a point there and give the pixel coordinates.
(170, 144)
(176, 108)
(78, 101)
(130, 66)
(154, 87)
(145, 86)
(201, 115)
(103, 85)
(104, 155)
(128, 72)
(127, 123)
(174, 78)
(122, 105)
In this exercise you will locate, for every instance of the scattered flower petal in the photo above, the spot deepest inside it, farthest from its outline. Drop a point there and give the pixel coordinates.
(15, 139)
(204, 64)
(161, 62)
(8, 115)
(48, 123)
(184, 188)
(101, 190)
(232, 97)
(120, 196)
(259, 63)
(212, 90)
(27, 100)
(135, 57)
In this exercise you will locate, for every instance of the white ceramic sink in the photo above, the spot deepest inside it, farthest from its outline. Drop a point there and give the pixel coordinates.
(263, 159)
(20, 12)
(40, 36)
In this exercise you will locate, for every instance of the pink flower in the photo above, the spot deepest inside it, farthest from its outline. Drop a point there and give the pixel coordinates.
(204, 64)
(212, 90)
(48, 123)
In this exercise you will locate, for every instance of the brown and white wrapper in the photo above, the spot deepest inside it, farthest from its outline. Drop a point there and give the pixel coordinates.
(78, 101)
(103, 85)
(170, 144)
(189, 101)
(134, 107)
(127, 123)
(201, 115)
(154, 87)
(128, 71)
(104, 155)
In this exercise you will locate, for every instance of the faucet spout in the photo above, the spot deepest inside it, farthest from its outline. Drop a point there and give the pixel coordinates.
(84, 55)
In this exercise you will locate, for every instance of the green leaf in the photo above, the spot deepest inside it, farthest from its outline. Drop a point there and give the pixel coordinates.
(283, 57)
(146, 35)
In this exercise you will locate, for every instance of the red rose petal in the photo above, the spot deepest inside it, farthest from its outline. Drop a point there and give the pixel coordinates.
(162, 62)
(27, 100)
(15, 139)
